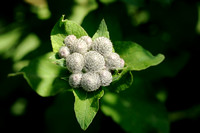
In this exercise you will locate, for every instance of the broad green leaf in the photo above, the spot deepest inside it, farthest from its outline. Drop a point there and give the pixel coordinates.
(54, 57)
(60, 116)
(135, 56)
(102, 31)
(45, 77)
(136, 110)
(121, 81)
(86, 106)
(63, 28)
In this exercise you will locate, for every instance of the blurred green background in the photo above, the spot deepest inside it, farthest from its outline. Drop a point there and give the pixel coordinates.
(167, 93)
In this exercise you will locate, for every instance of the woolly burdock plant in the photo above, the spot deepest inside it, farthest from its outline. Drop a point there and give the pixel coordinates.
(86, 66)
(85, 59)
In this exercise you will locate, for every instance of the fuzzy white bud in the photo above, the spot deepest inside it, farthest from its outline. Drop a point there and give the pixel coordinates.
(75, 80)
(122, 63)
(88, 41)
(102, 45)
(90, 81)
(93, 61)
(105, 77)
(69, 40)
(75, 62)
(113, 61)
(79, 46)
(64, 52)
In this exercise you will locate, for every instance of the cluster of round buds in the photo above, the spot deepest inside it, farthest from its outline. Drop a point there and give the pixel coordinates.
(90, 61)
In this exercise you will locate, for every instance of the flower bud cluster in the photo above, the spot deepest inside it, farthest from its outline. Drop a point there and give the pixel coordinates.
(90, 61)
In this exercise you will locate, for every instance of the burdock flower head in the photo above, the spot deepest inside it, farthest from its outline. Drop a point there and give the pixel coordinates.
(91, 62)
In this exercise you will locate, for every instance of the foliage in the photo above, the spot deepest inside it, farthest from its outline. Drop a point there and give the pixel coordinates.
(45, 77)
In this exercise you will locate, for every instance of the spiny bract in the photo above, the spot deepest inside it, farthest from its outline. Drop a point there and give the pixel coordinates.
(105, 77)
(102, 45)
(75, 62)
(69, 40)
(64, 52)
(75, 80)
(90, 81)
(88, 41)
(113, 61)
(93, 61)
(79, 46)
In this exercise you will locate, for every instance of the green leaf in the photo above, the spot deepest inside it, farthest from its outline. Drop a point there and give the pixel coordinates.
(102, 31)
(136, 110)
(86, 106)
(45, 77)
(9, 38)
(29, 43)
(136, 57)
(54, 57)
(63, 28)
(60, 116)
(121, 81)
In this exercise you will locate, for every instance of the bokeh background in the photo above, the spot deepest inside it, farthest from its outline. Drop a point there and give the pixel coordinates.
(170, 27)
